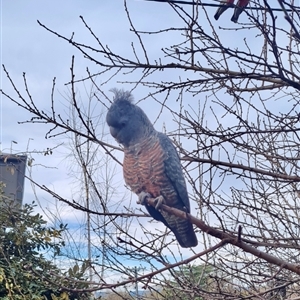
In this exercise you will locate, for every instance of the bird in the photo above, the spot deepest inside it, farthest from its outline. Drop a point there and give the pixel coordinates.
(151, 165)
(239, 8)
(225, 4)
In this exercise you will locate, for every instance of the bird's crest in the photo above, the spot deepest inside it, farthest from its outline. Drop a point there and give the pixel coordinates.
(122, 95)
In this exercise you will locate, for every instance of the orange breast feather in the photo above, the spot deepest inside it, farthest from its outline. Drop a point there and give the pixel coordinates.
(143, 168)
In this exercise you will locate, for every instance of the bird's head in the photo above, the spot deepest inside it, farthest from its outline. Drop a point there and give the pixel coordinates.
(127, 122)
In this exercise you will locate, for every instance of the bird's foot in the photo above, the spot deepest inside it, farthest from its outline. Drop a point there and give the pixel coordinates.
(143, 198)
(159, 201)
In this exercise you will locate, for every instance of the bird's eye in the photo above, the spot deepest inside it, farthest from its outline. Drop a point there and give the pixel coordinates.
(123, 124)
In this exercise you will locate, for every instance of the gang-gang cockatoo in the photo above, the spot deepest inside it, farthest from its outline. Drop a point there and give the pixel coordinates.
(151, 166)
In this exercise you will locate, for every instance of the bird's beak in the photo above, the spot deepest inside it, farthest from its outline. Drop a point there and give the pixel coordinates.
(113, 131)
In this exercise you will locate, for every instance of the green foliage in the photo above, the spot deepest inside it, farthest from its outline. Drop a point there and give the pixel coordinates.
(27, 250)
(188, 277)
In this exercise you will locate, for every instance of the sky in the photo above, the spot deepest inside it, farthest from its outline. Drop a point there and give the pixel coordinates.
(27, 47)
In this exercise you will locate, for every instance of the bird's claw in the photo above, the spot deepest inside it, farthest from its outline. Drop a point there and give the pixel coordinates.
(159, 201)
(143, 198)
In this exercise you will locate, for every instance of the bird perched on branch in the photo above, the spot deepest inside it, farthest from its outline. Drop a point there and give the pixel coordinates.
(225, 4)
(240, 6)
(151, 165)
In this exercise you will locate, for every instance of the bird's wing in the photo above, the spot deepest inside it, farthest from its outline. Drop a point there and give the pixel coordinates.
(173, 170)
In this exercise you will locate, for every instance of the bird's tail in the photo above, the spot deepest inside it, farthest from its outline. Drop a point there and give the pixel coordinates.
(221, 9)
(185, 234)
(183, 230)
(236, 14)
